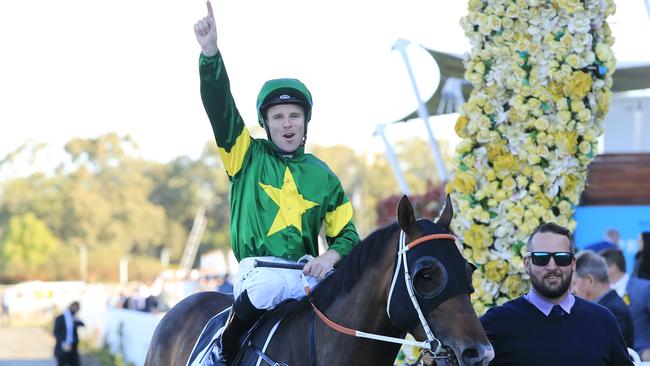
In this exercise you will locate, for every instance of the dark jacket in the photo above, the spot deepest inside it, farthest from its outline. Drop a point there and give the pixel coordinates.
(523, 335)
(638, 292)
(60, 333)
(615, 304)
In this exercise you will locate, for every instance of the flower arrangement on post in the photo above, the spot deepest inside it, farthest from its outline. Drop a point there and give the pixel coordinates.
(541, 71)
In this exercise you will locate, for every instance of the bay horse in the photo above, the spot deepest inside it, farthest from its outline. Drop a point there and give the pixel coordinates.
(369, 291)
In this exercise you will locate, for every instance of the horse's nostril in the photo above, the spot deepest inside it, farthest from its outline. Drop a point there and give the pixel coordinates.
(471, 356)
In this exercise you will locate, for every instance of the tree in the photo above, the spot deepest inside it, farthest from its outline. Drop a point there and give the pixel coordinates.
(26, 245)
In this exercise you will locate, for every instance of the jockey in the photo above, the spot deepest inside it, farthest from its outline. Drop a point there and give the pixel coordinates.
(280, 196)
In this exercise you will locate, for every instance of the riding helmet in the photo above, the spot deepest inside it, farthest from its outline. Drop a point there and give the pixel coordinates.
(283, 91)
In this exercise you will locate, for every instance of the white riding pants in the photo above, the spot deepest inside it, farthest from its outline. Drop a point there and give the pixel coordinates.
(267, 287)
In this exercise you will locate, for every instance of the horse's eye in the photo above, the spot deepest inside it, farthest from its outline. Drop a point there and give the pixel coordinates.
(430, 278)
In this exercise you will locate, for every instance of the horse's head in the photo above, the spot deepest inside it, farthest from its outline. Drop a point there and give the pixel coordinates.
(430, 267)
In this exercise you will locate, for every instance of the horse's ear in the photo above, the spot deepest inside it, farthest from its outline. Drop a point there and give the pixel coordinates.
(406, 217)
(447, 214)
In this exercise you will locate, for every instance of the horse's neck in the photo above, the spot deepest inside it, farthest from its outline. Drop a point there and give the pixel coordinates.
(363, 308)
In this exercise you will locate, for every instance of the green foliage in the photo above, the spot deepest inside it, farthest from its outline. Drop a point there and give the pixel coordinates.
(25, 246)
(106, 199)
(104, 357)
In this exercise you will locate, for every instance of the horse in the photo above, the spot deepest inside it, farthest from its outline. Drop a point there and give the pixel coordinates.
(369, 291)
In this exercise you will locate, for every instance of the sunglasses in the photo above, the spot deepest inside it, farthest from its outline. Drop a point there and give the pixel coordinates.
(542, 258)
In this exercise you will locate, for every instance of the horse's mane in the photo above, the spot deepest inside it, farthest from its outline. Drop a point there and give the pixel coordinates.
(367, 252)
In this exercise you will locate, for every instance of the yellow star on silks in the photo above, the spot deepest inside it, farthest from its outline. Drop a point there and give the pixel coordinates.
(291, 203)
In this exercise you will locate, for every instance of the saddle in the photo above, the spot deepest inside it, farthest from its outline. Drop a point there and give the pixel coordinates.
(252, 345)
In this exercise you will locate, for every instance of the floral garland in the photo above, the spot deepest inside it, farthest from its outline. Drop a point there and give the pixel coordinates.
(541, 71)
(542, 74)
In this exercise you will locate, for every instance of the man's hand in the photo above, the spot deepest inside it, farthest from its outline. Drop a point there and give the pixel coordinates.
(66, 347)
(206, 33)
(318, 267)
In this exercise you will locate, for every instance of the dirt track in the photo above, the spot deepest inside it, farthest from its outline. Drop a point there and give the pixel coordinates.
(26, 347)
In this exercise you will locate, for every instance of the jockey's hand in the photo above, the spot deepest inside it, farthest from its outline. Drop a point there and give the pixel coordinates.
(206, 33)
(318, 267)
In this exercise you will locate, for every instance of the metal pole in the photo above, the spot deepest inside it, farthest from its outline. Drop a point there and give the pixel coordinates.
(392, 158)
(401, 45)
(124, 270)
(638, 126)
(83, 261)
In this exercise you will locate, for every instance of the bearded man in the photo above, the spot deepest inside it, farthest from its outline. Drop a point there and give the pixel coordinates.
(548, 325)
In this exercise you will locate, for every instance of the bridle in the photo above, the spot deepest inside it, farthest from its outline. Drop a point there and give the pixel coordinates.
(402, 262)
(437, 351)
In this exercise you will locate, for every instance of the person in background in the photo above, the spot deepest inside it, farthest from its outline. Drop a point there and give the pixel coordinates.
(226, 286)
(636, 293)
(591, 282)
(612, 236)
(67, 340)
(548, 325)
(642, 257)
(5, 315)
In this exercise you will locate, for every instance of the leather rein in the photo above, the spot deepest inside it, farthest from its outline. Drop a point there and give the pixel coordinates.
(401, 262)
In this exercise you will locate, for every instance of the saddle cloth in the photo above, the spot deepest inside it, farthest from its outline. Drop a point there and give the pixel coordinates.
(205, 351)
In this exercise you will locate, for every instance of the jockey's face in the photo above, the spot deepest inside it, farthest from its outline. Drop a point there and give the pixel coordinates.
(286, 123)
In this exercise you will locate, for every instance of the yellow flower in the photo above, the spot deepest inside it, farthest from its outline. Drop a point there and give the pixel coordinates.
(548, 216)
(495, 149)
(603, 100)
(538, 176)
(514, 286)
(541, 124)
(577, 106)
(567, 142)
(569, 6)
(565, 207)
(543, 151)
(573, 60)
(490, 174)
(604, 53)
(584, 115)
(464, 146)
(534, 188)
(509, 184)
(522, 182)
(533, 159)
(585, 147)
(478, 237)
(542, 199)
(496, 270)
(570, 187)
(578, 85)
(506, 162)
(557, 90)
(461, 126)
(463, 182)
(479, 307)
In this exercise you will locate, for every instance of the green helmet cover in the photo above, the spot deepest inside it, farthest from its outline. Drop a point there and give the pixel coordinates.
(283, 91)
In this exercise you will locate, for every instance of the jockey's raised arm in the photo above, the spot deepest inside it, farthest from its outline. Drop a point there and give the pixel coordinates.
(280, 196)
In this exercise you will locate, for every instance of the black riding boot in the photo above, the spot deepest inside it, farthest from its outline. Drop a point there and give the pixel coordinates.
(241, 318)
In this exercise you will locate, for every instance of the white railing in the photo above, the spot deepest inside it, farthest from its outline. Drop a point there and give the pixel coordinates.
(128, 332)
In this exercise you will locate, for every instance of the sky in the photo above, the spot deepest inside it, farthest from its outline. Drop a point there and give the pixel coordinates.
(81, 68)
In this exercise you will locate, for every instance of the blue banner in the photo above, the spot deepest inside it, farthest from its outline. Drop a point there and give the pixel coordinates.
(630, 221)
